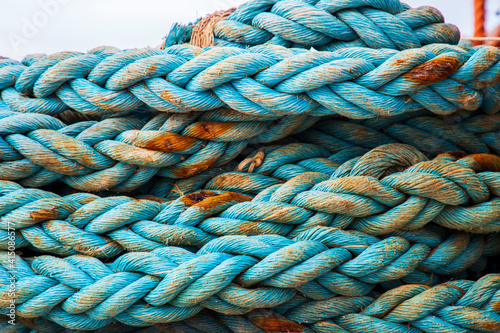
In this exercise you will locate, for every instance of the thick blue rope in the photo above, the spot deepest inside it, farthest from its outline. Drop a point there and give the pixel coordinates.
(327, 25)
(363, 194)
(123, 154)
(265, 81)
(126, 153)
(83, 293)
(304, 240)
(475, 134)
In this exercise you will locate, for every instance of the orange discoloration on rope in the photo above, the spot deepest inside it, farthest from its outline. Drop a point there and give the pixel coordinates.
(207, 131)
(165, 141)
(197, 197)
(434, 70)
(192, 170)
(485, 162)
(276, 324)
(227, 197)
(45, 214)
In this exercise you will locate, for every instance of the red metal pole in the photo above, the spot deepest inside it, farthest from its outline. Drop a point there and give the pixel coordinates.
(479, 19)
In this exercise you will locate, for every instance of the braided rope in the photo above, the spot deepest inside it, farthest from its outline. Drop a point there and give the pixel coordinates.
(477, 134)
(326, 25)
(363, 194)
(265, 81)
(125, 153)
(171, 284)
(332, 237)
(122, 154)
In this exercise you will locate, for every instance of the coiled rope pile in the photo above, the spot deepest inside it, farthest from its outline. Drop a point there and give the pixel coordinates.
(285, 166)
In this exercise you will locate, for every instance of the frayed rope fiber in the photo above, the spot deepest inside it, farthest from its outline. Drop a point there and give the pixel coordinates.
(285, 166)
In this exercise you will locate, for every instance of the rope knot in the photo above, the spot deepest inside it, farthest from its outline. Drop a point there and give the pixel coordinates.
(253, 162)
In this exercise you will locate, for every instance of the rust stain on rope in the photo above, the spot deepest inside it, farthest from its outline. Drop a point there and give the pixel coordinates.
(434, 70)
(206, 131)
(485, 162)
(276, 324)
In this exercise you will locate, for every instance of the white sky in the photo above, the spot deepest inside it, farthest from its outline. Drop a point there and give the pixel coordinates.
(80, 25)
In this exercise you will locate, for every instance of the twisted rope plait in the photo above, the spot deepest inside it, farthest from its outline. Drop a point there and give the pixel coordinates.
(81, 292)
(38, 206)
(354, 198)
(326, 25)
(456, 306)
(392, 192)
(433, 191)
(265, 81)
(122, 154)
(475, 135)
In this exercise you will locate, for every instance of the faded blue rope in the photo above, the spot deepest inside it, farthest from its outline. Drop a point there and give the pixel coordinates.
(122, 154)
(366, 194)
(476, 134)
(327, 25)
(265, 81)
(174, 282)
(263, 250)
(127, 153)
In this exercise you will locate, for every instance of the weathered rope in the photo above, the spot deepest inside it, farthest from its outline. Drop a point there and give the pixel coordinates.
(366, 194)
(475, 134)
(456, 306)
(122, 154)
(125, 153)
(265, 81)
(234, 221)
(171, 284)
(325, 25)
(51, 153)
(202, 34)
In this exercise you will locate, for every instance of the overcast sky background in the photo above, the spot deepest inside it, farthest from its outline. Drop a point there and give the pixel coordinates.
(80, 25)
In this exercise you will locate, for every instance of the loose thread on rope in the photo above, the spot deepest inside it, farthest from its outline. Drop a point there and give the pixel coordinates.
(252, 162)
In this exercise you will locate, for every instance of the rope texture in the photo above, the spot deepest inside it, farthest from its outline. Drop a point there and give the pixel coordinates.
(470, 133)
(171, 284)
(326, 25)
(265, 81)
(122, 154)
(367, 194)
(377, 223)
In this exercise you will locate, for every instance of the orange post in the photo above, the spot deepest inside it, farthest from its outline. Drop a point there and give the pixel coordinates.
(479, 19)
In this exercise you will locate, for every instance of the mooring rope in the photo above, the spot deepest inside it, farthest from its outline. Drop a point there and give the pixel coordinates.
(325, 25)
(285, 166)
(125, 153)
(172, 284)
(266, 81)
(390, 189)
(475, 134)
